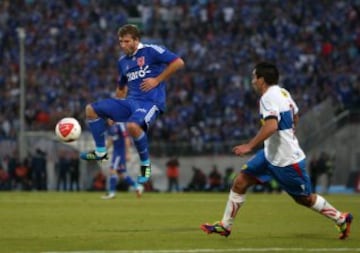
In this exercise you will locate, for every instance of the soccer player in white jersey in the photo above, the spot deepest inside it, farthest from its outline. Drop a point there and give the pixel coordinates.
(143, 71)
(281, 158)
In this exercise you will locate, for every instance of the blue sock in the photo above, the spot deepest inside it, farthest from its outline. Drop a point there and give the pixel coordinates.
(141, 144)
(112, 183)
(146, 162)
(98, 128)
(129, 181)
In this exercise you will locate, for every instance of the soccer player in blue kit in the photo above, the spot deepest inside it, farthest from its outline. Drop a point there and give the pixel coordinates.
(282, 157)
(120, 141)
(143, 71)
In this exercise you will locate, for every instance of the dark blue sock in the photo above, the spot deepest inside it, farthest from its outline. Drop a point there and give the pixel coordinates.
(141, 144)
(129, 181)
(98, 128)
(112, 183)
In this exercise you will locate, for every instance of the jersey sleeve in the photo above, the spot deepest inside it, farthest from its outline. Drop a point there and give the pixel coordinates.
(294, 106)
(122, 80)
(269, 109)
(162, 54)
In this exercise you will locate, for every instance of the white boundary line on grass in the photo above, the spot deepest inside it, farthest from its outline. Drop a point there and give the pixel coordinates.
(327, 250)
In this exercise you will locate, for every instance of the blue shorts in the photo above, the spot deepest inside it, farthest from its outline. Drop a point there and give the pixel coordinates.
(293, 178)
(127, 110)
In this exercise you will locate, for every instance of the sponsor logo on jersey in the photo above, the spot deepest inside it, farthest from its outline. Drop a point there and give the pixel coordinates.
(141, 73)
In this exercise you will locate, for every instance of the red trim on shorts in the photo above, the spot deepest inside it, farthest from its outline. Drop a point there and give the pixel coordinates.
(297, 169)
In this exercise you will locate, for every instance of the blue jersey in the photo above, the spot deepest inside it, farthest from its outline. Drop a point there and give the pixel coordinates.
(147, 61)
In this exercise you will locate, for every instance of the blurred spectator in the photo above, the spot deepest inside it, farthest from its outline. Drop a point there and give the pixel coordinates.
(13, 162)
(23, 176)
(268, 187)
(273, 186)
(215, 179)
(198, 181)
(4, 179)
(74, 170)
(229, 178)
(329, 171)
(39, 170)
(149, 187)
(99, 181)
(62, 168)
(321, 166)
(314, 172)
(325, 167)
(70, 47)
(172, 173)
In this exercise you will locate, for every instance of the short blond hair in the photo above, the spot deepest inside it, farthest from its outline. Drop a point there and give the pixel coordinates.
(130, 29)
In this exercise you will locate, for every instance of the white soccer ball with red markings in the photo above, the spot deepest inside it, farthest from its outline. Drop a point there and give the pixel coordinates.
(68, 129)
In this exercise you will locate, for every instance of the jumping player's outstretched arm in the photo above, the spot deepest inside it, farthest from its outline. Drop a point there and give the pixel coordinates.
(150, 83)
(170, 70)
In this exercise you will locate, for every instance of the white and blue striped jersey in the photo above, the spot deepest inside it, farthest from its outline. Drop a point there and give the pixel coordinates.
(147, 61)
(282, 148)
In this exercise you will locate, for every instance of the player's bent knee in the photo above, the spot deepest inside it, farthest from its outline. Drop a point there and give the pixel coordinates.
(90, 113)
(134, 129)
(242, 182)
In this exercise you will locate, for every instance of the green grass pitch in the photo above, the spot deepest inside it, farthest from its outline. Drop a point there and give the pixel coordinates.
(166, 222)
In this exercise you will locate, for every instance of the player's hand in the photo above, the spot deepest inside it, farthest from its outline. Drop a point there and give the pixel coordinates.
(148, 84)
(242, 149)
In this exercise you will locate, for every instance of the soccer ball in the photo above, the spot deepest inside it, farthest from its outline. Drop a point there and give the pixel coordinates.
(68, 129)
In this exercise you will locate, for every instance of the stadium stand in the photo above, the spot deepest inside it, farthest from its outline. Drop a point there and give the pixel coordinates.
(71, 54)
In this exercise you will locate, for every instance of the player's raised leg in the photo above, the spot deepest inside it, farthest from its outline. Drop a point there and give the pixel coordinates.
(97, 127)
(296, 182)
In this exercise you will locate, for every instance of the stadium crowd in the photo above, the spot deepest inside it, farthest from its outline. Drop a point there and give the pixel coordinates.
(71, 52)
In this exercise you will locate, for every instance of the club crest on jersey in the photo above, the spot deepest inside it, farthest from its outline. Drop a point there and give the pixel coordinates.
(140, 61)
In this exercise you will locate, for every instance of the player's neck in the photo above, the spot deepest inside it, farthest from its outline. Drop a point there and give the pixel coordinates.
(264, 88)
(138, 46)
